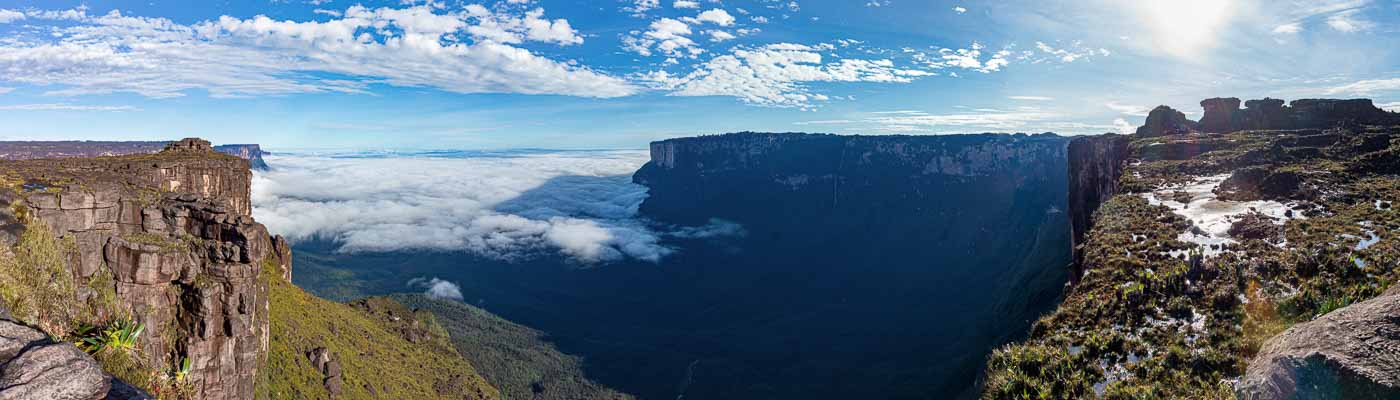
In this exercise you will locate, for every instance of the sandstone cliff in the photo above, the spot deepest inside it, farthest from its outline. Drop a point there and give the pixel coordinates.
(914, 248)
(1095, 164)
(172, 235)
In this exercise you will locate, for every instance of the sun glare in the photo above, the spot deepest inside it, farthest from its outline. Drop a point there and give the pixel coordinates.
(1184, 28)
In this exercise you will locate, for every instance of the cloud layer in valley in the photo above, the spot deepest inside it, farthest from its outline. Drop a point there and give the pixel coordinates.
(506, 206)
(437, 288)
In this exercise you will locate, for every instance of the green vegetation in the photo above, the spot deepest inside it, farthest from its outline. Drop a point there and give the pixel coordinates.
(518, 360)
(34, 283)
(1154, 318)
(376, 359)
(121, 335)
(38, 289)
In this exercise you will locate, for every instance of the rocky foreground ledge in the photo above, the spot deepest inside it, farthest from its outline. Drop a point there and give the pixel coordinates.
(1245, 255)
(166, 240)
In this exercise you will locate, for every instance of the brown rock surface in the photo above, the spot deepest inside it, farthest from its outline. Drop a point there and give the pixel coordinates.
(34, 367)
(174, 231)
(1350, 353)
(1164, 120)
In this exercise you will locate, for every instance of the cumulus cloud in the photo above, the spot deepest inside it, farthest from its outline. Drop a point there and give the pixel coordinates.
(507, 206)
(685, 4)
(667, 36)
(8, 16)
(437, 288)
(1123, 126)
(475, 50)
(776, 75)
(716, 16)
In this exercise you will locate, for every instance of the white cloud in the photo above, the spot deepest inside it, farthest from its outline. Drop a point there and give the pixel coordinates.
(4, 90)
(471, 52)
(1348, 22)
(437, 288)
(1123, 126)
(61, 107)
(667, 36)
(1393, 106)
(759, 19)
(716, 16)
(969, 58)
(1031, 98)
(959, 9)
(519, 29)
(1019, 119)
(685, 4)
(8, 16)
(776, 75)
(720, 36)
(1128, 109)
(1288, 29)
(639, 7)
(992, 119)
(507, 206)
(1366, 87)
(1070, 54)
(877, 3)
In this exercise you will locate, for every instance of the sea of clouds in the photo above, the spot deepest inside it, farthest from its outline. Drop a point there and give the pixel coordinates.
(505, 205)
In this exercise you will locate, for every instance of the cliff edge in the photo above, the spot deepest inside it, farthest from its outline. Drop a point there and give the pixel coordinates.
(1205, 241)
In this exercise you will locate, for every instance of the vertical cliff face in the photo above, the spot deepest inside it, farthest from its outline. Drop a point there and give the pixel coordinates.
(251, 152)
(1095, 164)
(886, 251)
(174, 233)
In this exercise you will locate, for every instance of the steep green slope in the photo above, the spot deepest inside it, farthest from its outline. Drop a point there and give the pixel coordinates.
(517, 359)
(378, 355)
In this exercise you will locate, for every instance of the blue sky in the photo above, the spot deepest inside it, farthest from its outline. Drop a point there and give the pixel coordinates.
(620, 73)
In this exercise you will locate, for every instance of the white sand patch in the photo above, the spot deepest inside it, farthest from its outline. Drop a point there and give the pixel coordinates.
(1212, 216)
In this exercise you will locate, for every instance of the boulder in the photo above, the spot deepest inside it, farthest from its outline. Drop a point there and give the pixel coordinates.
(1351, 353)
(327, 365)
(1164, 120)
(34, 367)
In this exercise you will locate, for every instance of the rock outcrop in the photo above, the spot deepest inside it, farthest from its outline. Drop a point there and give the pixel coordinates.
(1224, 114)
(1220, 114)
(34, 367)
(1351, 353)
(1095, 164)
(1165, 120)
(174, 232)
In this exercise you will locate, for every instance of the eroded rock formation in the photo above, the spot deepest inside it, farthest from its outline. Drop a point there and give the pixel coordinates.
(174, 232)
(1165, 120)
(1224, 114)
